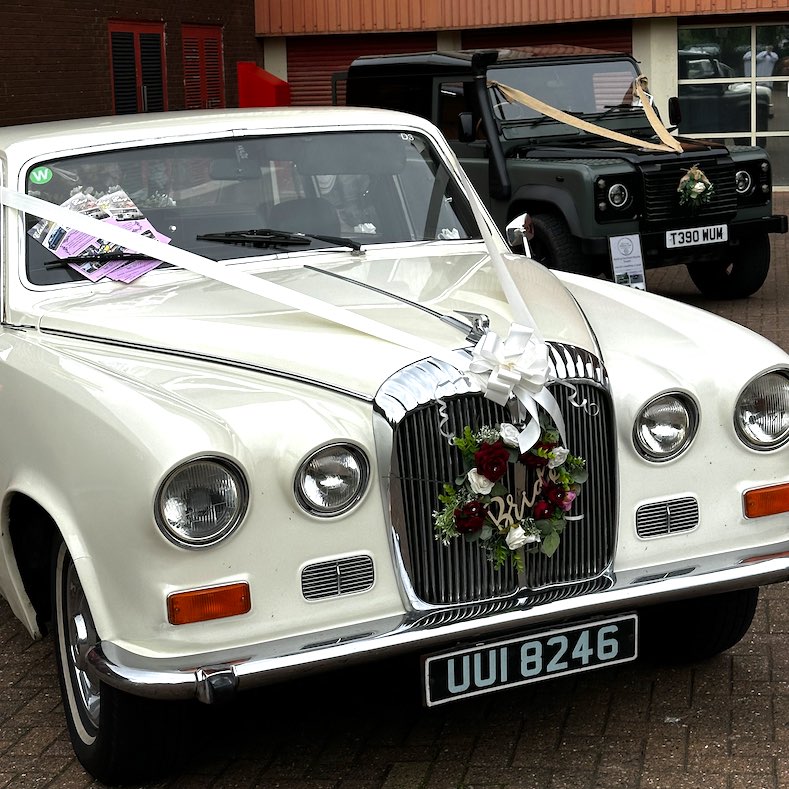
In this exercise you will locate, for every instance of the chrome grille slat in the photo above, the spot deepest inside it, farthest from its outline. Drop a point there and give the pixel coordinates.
(423, 460)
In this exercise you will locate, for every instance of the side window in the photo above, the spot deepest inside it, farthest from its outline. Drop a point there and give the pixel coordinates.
(451, 102)
(204, 80)
(138, 70)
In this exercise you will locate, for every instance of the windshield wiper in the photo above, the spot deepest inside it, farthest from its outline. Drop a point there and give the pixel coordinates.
(613, 109)
(264, 237)
(99, 257)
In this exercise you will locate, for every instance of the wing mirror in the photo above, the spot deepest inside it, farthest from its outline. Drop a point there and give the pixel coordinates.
(520, 231)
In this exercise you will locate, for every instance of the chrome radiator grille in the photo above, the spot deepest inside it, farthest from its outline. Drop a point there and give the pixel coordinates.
(423, 461)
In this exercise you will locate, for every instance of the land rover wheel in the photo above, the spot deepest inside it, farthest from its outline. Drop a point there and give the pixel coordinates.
(555, 247)
(688, 631)
(738, 277)
(117, 737)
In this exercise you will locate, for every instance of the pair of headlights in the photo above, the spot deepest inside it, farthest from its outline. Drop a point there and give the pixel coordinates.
(667, 425)
(203, 501)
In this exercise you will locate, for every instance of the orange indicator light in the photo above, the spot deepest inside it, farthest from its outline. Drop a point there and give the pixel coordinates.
(216, 602)
(766, 501)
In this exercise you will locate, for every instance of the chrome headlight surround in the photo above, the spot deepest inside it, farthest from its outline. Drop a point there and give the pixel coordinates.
(761, 413)
(665, 426)
(332, 479)
(201, 502)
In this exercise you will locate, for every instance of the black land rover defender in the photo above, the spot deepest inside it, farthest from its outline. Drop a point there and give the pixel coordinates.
(580, 187)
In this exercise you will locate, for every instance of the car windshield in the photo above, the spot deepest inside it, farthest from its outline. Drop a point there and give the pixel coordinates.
(591, 89)
(251, 196)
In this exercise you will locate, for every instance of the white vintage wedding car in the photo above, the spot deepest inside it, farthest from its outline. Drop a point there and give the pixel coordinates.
(276, 396)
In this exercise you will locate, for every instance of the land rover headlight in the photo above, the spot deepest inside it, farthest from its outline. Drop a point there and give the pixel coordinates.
(665, 427)
(201, 502)
(332, 479)
(761, 415)
(743, 182)
(618, 195)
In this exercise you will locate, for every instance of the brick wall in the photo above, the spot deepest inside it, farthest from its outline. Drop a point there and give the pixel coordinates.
(55, 58)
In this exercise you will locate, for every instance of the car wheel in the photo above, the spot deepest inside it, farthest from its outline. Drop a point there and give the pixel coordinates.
(118, 738)
(688, 631)
(555, 247)
(738, 277)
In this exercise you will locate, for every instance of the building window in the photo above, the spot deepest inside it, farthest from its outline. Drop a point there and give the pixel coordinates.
(204, 81)
(138, 71)
(732, 85)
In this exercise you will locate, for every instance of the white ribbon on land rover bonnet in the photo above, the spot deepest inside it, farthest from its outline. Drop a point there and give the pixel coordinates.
(517, 365)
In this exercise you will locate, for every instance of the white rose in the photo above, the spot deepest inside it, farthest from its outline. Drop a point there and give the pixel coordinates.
(509, 435)
(559, 456)
(479, 482)
(517, 538)
(699, 187)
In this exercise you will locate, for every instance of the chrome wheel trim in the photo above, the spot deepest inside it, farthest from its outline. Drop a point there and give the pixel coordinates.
(79, 635)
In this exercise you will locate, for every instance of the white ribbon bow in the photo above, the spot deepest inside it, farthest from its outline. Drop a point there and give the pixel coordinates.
(517, 365)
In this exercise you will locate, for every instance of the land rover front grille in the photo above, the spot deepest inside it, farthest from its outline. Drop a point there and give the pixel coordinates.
(423, 460)
(661, 199)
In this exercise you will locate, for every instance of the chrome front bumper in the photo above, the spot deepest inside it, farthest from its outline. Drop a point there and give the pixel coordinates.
(218, 675)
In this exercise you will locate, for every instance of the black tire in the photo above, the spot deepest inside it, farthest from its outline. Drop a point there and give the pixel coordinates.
(740, 276)
(118, 738)
(555, 247)
(688, 631)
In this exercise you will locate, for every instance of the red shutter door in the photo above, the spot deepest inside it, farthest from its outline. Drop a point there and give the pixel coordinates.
(313, 59)
(204, 82)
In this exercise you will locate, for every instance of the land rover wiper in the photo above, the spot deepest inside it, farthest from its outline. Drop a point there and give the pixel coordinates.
(612, 109)
(264, 237)
(99, 257)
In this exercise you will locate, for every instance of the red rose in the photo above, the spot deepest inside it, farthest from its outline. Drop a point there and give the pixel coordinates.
(491, 460)
(542, 510)
(554, 493)
(470, 516)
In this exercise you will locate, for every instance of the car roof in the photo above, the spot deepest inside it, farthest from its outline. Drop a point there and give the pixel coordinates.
(461, 58)
(36, 138)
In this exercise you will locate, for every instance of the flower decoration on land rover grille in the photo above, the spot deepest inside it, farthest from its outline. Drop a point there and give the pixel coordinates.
(479, 507)
(695, 188)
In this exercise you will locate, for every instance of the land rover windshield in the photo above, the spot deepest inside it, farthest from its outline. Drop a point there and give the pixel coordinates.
(594, 90)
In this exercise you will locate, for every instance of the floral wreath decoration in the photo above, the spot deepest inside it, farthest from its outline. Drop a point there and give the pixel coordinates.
(479, 508)
(695, 188)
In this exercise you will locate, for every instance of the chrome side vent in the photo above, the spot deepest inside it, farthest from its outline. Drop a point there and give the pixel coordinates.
(660, 518)
(349, 575)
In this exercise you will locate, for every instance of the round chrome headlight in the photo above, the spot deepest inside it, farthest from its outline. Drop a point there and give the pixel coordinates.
(618, 195)
(761, 415)
(201, 502)
(665, 427)
(332, 479)
(743, 182)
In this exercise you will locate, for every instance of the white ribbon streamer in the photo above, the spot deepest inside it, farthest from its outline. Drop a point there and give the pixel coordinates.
(516, 366)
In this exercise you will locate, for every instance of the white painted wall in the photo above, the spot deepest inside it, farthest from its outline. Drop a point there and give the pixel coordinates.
(655, 48)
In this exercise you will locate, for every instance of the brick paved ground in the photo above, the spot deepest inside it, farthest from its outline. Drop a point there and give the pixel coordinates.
(721, 725)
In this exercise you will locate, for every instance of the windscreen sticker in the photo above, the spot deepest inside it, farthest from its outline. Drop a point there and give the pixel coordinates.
(40, 175)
